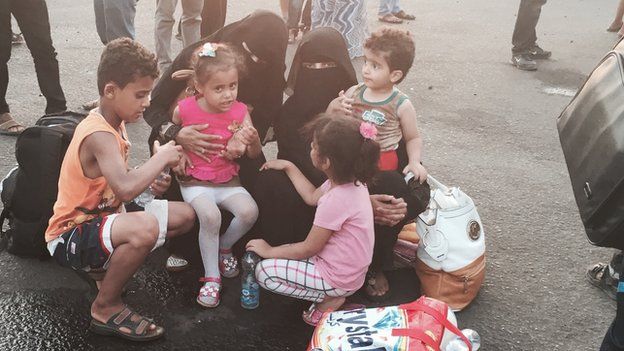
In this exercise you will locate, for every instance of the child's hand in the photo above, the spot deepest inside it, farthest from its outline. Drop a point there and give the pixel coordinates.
(185, 162)
(259, 246)
(419, 171)
(235, 149)
(248, 135)
(171, 152)
(161, 184)
(345, 103)
(280, 165)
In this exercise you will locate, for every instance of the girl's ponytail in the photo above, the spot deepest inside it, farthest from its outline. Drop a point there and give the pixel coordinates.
(365, 166)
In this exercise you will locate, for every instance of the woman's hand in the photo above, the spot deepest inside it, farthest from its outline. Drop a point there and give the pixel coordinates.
(248, 135)
(259, 246)
(234, 149)
(193, 140)
(388, 210)
(279, 165)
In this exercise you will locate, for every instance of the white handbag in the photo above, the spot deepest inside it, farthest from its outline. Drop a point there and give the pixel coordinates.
(451, 232)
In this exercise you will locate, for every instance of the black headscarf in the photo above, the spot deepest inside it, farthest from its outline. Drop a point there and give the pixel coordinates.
(312, 90)
(266, 36)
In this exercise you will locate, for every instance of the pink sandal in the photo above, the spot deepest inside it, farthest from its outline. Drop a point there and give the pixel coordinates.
(312, 316)
(228, 267)
(209, 295)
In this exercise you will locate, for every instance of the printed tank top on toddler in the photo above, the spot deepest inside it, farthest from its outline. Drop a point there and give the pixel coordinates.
(220, 169)
(383, 114)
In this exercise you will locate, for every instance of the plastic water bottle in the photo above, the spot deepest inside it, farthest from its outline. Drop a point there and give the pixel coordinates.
(147, 196)
(250, 290)
(457, 344)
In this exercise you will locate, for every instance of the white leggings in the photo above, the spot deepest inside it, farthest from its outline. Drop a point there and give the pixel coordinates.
(206, 201)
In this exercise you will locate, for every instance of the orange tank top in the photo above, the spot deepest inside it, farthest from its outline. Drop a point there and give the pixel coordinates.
(81, 199)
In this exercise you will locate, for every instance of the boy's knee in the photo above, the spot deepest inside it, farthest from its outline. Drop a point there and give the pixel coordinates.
(146, 232)
(187, 216)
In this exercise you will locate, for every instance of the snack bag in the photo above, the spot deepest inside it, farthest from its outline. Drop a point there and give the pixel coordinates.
(423, 325)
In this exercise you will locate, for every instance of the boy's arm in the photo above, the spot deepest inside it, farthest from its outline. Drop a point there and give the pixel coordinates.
(413, 141)
(308, 192)
(343, 103)
(126, 184)
(313, 244)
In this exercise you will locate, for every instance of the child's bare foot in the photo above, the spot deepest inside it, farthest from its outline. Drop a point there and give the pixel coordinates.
(615, 26)
(377, 286)
(621, 31)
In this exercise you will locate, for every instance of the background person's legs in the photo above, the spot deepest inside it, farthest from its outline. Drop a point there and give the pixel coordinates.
(163, 27)
(213, 16)
(524, 36)
(33, 20)
(119, 19)
(191, 21)
(5, 53)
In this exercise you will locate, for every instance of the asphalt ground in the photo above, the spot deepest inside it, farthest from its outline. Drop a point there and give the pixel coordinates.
(488, 128)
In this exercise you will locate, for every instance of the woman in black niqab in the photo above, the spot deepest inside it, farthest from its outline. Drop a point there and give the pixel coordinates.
(321, 69)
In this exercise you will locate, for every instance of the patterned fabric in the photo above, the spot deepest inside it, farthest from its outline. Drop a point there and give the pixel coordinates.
(298, 279)
(346, 16)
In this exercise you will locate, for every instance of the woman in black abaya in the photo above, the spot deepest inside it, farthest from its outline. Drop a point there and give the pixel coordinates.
(320, 70)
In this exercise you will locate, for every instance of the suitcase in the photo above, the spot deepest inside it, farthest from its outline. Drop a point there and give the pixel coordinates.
(591, 131)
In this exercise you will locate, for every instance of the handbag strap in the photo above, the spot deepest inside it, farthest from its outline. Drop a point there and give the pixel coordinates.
(438, 185)
(417, 334)
(421, 307)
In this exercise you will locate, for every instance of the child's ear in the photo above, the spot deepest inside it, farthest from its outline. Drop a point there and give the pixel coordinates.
(198, 87)
(325, 164)
(396, 75)
(110, 89)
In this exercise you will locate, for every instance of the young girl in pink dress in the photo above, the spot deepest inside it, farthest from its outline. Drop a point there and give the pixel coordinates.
(209, 182)
(331, 263)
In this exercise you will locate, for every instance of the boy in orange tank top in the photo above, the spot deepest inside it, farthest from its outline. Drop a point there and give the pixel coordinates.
(90, 230)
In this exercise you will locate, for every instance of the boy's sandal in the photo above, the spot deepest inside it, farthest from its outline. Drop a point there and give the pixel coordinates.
(139, 330)
(228, 267)
(312, 316)
(176, 264)
(403, 15)
(11, 127)
(390, 18)
(209, 296)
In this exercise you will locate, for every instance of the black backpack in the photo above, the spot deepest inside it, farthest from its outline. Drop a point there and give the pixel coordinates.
(30, 190)
(591, 131)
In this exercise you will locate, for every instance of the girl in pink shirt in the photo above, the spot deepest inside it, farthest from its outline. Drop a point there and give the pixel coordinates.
(209, 182)
(332, 262)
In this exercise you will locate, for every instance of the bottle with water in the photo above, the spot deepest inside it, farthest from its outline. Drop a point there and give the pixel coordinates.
(250, 290)
(457, 344)
(147, 196)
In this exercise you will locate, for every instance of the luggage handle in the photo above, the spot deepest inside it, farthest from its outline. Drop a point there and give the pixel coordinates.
(417, 334)
(420, 307)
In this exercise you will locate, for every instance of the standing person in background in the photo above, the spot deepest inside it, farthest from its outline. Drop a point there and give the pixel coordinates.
(295, 15)
(114, 19)
(32, 18)
(525, 49)
(390, 12)
(163, 25)
(284, 9)
(616, 25)
(346, 16)
(213, 16)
